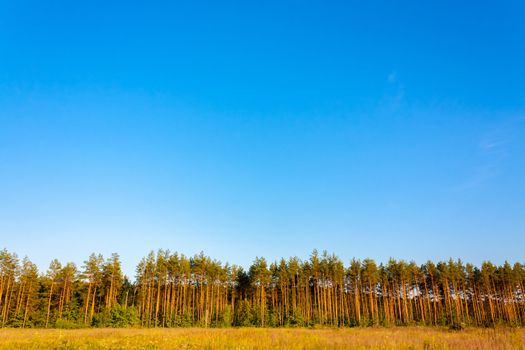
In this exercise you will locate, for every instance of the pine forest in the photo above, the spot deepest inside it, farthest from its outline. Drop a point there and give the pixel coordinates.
(172, 290)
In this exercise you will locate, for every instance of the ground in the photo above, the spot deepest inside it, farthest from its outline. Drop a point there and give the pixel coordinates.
(265, 338)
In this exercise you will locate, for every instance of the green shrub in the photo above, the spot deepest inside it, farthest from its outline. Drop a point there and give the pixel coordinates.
(243, 314)
(117, 317)
(67, 324)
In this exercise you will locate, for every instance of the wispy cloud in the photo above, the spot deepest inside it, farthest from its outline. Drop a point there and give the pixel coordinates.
(493, 148)
(392, 77)
(396, 95)
(496, 141)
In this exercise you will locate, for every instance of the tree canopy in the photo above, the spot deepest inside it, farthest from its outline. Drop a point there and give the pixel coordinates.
(171, 289)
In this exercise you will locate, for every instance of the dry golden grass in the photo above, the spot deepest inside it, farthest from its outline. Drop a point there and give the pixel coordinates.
(255, 338)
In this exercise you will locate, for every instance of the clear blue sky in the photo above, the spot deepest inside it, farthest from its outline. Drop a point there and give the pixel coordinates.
(243, 129)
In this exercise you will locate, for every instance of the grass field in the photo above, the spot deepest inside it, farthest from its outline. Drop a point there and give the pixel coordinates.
(255, 338)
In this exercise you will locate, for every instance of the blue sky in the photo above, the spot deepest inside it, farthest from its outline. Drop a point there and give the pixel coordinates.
(243, 129)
